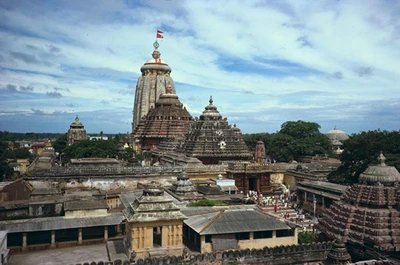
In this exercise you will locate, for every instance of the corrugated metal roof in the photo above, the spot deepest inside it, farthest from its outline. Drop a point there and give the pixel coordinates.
(57, 223)
(234, 221)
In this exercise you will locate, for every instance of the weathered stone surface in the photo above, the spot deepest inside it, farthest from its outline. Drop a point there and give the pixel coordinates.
(367, 214)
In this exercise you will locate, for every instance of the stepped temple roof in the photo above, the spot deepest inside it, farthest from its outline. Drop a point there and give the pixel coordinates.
(368, 212)
(212, 139)
(169, 119)
(151, 206)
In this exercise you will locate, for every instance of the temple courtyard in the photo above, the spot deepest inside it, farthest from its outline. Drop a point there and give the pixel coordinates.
(62, 256)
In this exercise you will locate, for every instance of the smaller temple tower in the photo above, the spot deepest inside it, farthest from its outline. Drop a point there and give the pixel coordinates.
(76, 132)
(153, 224)
(211, 139)
(260, 152)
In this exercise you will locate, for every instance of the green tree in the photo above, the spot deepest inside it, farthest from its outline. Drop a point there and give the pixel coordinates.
(362, 150)
(299, 138)
(251, 139)
(60, 143)
(5, 169)
(308, 237)
(87, 148)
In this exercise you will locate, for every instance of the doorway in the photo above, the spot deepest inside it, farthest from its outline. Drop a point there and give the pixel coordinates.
(253, 184)
(157, 236)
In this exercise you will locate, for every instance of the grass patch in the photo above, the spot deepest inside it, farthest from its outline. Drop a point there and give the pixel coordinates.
(205, 202)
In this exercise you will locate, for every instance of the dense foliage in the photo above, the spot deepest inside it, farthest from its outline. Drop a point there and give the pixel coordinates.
(308, 237)
(88, 148)
(6, 154)
(362, 150)
(30, 136)
(294, 140)
(60, 143)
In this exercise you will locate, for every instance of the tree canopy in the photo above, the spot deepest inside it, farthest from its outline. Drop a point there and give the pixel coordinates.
(362, 150)
(295, 139)
(88, 148)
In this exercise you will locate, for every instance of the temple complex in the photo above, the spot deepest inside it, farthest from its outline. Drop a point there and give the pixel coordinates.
(151, 84)
(167, 120)
(212, 139)
(76, 132)
(368, 212)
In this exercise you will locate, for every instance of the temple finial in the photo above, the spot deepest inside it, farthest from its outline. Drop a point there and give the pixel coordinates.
(211, 100)
(381, 159)
(76, 118)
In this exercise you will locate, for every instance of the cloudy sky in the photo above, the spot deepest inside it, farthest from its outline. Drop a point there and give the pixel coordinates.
(264, 62)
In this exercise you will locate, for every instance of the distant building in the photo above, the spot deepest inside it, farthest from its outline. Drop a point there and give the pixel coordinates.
(76, 132)
(337, 138)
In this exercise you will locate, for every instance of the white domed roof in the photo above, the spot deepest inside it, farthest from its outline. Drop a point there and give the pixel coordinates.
(337, 134)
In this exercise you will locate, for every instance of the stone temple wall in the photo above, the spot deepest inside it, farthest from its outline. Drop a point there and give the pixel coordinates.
(282, 255)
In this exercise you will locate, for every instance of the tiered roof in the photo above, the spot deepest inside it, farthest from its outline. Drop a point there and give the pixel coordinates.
(169, 119)
(368, 213)
(152, 206)
(212, 139)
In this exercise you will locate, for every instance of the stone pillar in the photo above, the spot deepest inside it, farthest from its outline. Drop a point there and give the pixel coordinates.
(305, 196)
(105, 233)
(323, 202)
(24, 242)
(274, 234)
(80, 236)
(53, 239)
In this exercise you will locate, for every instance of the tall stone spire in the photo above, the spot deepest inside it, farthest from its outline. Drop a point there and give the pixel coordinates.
(153, 82)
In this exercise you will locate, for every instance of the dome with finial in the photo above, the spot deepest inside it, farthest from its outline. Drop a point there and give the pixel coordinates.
(156, 63)
(76, 124)
(336, 134)
(210, 111)
(381, 173)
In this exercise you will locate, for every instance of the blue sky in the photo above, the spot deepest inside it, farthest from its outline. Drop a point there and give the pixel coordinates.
(264, 62)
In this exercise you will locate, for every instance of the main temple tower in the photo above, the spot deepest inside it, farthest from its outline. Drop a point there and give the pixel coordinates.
(151, 84)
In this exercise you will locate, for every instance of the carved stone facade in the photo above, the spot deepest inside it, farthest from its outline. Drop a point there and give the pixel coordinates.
(368, 213)
(76, 132)
(153, 82)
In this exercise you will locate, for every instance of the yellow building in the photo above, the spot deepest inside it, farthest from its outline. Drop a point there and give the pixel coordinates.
(212, 229)
(153, 223)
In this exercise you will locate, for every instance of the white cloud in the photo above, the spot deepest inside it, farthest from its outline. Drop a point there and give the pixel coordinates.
(251, 55)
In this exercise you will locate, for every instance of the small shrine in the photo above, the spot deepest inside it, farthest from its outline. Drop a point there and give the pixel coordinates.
(153, 224)
(184, 188)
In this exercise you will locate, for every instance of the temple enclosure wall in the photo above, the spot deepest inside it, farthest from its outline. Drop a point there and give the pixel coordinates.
(296, 254)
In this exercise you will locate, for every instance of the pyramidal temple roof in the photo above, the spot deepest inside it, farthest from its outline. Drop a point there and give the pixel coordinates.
(168, 119)
(211, 138)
